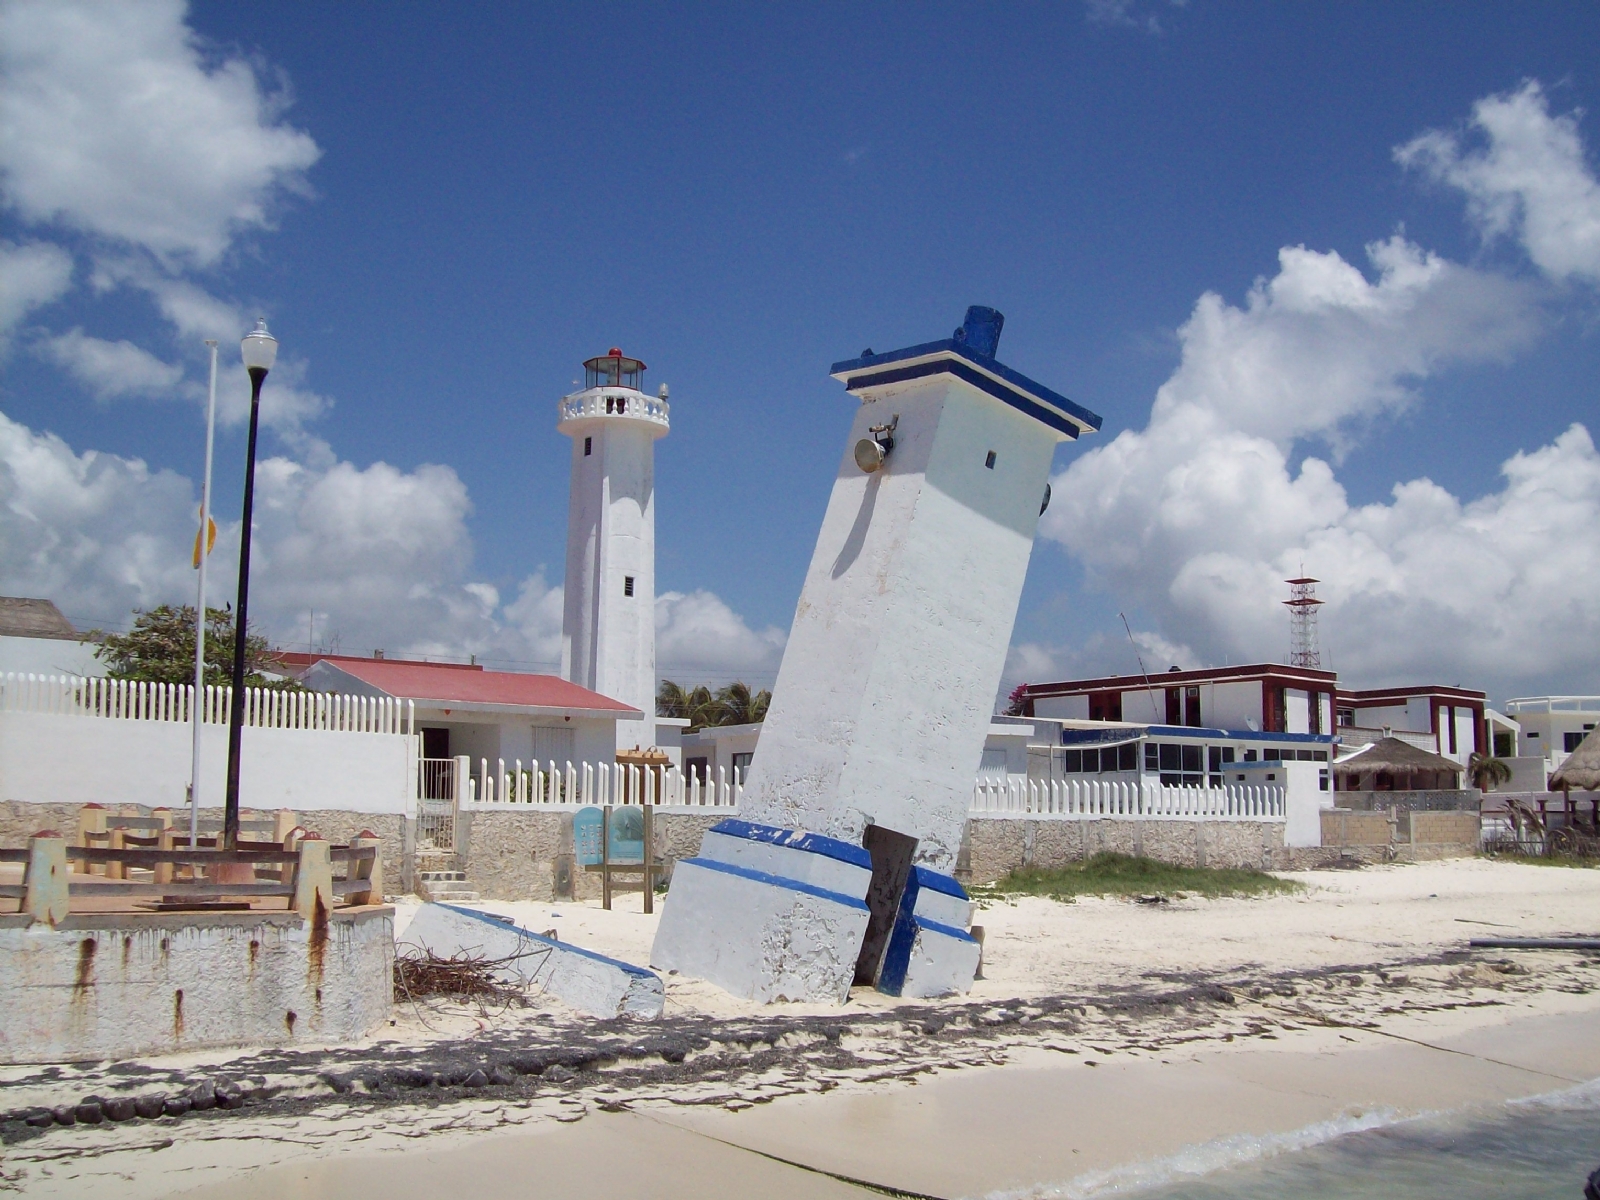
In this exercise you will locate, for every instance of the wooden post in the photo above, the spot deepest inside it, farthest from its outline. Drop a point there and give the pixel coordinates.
(168, 841)
(91, 829)
(605, 858)
(370, 870)
(291, 841)
(45, 878)
(313, 876)
(649, 861)
(115, 869)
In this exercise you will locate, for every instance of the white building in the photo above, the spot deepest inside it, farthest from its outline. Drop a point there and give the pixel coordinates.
(35, 639)
(466, 711)
(1552, 726)
(608, 629)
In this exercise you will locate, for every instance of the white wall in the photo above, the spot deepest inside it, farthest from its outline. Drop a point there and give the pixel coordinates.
(1065, 708)
(48, 656)
(1296, 710)
(1231, 705)
(52, 759)
(882, 703)
(1143, 705)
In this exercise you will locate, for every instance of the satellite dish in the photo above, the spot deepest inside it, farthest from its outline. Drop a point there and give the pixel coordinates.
(1255, 726)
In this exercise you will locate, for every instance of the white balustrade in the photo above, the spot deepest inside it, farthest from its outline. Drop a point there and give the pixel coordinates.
(265, 708)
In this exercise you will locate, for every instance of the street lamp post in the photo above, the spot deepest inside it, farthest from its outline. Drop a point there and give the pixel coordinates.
(260, 351)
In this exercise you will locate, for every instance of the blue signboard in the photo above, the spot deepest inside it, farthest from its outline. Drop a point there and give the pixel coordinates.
(627, 834)
(587, 824)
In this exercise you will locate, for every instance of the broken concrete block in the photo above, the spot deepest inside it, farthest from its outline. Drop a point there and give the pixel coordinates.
(931, 953)
(767, 914)
(589, 982)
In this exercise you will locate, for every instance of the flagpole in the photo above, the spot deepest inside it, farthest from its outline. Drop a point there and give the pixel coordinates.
(197, 708)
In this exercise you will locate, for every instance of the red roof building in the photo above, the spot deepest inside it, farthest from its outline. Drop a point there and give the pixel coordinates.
(465, 710)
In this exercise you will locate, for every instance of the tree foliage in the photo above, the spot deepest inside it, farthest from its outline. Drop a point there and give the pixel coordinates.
(1486, 771)
(735, 704)
(160, 649)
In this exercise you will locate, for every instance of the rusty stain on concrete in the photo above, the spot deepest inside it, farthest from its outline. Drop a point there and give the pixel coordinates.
(319, 940)
(85, 978)
(177, 1015)
(289, 1018)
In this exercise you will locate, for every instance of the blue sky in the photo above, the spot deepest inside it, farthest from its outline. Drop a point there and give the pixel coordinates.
(442, 213)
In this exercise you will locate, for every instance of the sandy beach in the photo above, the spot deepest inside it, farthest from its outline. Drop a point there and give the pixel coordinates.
(1108, 1043)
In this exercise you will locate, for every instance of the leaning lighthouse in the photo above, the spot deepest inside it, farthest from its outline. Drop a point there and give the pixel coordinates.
(608, 628)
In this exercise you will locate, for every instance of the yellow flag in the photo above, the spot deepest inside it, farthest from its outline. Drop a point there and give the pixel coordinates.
(211, 540)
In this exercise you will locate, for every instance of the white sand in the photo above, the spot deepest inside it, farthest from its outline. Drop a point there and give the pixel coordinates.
(1037, 947)
(1394, 1041)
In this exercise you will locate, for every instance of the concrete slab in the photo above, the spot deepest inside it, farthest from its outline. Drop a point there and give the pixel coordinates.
(590, 982)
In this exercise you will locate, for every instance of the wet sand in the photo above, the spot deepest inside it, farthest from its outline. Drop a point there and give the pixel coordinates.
(1034, 1128)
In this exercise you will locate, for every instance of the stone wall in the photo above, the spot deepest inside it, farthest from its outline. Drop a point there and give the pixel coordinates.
(994, 846)
(1376, 836)
(119, 985)
(517, 854)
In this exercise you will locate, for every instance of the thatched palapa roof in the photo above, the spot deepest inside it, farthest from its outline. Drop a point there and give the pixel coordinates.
(1582, 768)
(1396, 757)
(23, 616)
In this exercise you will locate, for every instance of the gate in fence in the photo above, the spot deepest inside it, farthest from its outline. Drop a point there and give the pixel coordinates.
(437, 791)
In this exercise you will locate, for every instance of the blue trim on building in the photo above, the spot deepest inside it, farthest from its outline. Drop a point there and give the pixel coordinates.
(771, 880)
(935, 881)
(551, 942)
(795, 839)
(897, 954)
(949, 931)
(1016, 399)
(993, 365)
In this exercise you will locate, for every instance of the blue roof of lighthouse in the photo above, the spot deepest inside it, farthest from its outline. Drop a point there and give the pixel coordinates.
(969, 355)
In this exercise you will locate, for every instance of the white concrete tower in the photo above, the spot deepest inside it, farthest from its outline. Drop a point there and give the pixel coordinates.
(608, 628)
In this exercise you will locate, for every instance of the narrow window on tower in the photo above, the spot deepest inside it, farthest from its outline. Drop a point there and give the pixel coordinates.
(627, 585)
(989, 460)
(588, 446)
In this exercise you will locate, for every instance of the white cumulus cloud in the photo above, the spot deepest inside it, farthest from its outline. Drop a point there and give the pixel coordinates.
(1525, 175)
(699, 638)
(32, 275)
(1198, 517)
(116, 122)
(360, 557)
(111, 369)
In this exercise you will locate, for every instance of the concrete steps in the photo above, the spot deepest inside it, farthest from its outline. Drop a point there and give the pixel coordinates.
(446, 887)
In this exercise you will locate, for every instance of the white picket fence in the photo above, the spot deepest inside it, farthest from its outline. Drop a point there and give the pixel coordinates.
(1087, 799)
(577, 784)
(265, 708)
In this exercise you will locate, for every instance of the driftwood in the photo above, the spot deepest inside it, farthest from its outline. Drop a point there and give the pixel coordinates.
(421, 973)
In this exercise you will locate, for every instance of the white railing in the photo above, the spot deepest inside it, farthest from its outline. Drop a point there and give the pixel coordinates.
(1086, 799)
(574, 785)
(550, 785)
(615, 402)
(265, 708)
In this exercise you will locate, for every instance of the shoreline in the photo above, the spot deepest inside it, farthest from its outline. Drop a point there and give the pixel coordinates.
(1025, 1130)
(1180, 1026)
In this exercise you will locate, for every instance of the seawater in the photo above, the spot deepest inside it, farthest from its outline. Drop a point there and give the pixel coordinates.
(1541, 1148)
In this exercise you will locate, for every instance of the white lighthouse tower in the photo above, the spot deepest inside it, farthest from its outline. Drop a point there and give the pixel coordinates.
(608, 628)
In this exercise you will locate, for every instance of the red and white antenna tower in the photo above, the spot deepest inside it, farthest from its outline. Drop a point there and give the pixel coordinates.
(1303, 605)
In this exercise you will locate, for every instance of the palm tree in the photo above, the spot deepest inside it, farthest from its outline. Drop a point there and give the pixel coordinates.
(1486, 771)
(740, 707)
(697, 704)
